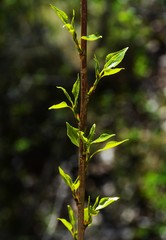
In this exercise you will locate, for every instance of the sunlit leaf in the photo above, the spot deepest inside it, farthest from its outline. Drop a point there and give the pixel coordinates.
(104, 202)
(73, 17)
(113, 59)
(91, 37)
(76, 184)
(66, 177)
(76, 89)
(109, 145)
(73, 134)
(96, 202)
(61, 14)
(59, 106)
(111, 71)
(91, 133)
(69, 27)
(66, 224)
(93, 212)
(71, 216)
(88, 205)
(97, 67)
(102, 138)
(87, 217)
(91, 209)
(83, 138)
(66, 93)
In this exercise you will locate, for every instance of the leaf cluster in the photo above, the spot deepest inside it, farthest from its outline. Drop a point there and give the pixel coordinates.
(77, 136)
(89, 212)
(72, 103)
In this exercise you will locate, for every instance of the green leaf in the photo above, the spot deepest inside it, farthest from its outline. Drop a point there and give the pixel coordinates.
(109, 145)
(66, 224)
(102, 138)
(91, 37)
(83, 138)
(91, 209)
(76, 90)
(113, 59)
(61, 14)
(71, 217)
(104, 202)
(97, 67)
(59, 106)
(73, 134)
(87, 217)
(96, 202)
(93, 212)
(110, 71)
(76, 184)
(73, 17)
(67, 179)
(66, 93)
(69, 27)
(91, 133)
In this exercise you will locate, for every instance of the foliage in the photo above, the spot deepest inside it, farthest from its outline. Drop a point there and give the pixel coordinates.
(79, 137)
(32, 141)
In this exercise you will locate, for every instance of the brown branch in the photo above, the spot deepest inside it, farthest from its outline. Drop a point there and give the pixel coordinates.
(83, 119)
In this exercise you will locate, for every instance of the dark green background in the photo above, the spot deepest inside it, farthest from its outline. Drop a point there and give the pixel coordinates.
(36, 55)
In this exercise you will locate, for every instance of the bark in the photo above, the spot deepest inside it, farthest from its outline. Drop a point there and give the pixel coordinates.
(83, 119)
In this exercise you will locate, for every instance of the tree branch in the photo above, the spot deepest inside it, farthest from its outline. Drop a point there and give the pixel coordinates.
(83, 119)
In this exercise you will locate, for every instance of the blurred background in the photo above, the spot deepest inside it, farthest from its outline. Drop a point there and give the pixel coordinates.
(36, 55)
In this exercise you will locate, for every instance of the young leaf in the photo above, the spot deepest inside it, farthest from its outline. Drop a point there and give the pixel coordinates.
(97, 67)
(66, 224)
(76, 184)
(88, 205)
(76, 89)
(67, 179)
(87, 217)
(73, 134)
(69, 27)
(103, 137)
(91, 37)
(109, 145)
(83, 138)
(110, 71)
(113, 59)
(104, 202)
(91, 209)
(71, 217)
(59, 106)
(61, 14)
(91, 132)
(66, 93)
(96, 203)
(73, 17)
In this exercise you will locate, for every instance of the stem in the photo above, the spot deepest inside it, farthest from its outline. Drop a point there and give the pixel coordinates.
(83, 119)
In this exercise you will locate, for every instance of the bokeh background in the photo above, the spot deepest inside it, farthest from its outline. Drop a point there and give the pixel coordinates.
(36, 55)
